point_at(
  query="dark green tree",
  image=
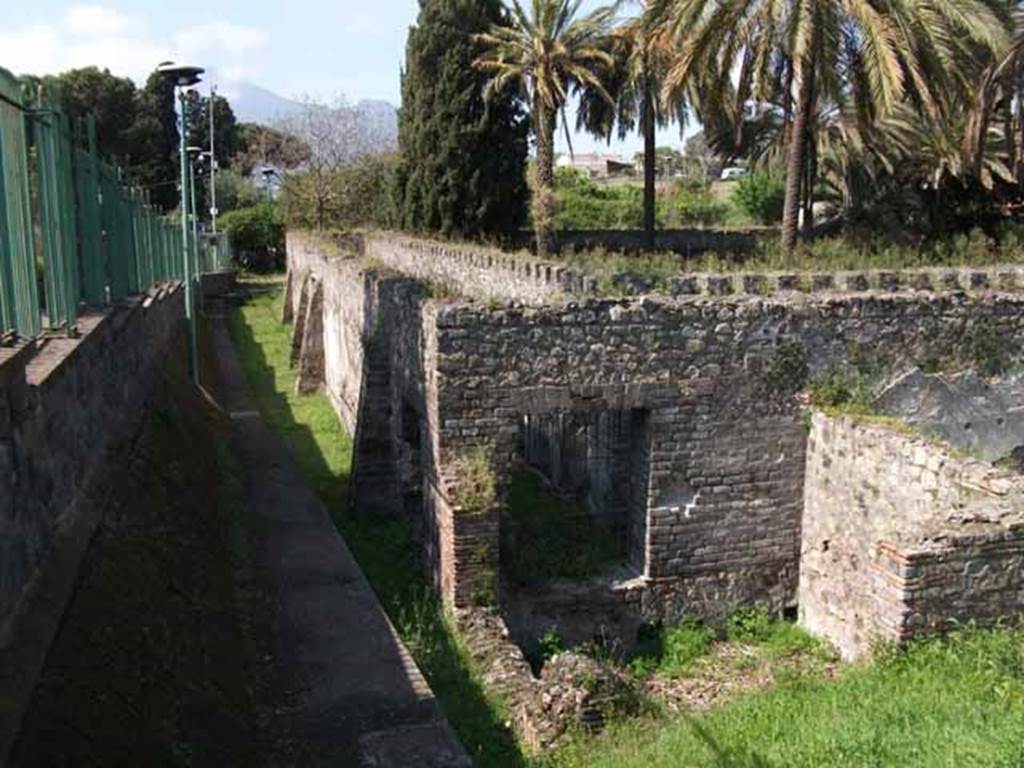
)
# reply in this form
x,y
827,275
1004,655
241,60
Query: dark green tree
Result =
x,y
225,140
463,159
154,137
111,100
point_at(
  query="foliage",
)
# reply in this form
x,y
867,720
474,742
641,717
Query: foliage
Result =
x,y
475,486
135,127
114,104
787,369
154,135
582,204
236,191
225,140
340,145
462,161
699,209
942,702
854,251
383,546
257,236
260,145
860,58
761,195
756,625
548,536
541,54
355,193
672,650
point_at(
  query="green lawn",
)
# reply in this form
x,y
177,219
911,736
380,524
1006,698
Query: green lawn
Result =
x,y
957,703
383,547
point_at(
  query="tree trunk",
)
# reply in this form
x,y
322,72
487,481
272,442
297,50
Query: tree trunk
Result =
x,y
809,177
544,190
797,154
649,167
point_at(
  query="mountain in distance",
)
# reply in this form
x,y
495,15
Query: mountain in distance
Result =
x,y
252,103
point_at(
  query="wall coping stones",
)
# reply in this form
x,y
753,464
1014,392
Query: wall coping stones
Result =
x,y
532,281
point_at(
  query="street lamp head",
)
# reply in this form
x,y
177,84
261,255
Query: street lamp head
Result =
x,y
194,150
183,75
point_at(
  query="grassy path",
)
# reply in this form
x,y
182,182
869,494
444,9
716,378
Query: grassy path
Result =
x,y
383,547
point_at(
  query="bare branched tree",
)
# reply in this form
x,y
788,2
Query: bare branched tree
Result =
x,y
335,135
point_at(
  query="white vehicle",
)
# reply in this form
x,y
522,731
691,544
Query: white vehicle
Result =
x,y
732,173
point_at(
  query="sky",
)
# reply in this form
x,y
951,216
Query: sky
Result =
x,y
321,48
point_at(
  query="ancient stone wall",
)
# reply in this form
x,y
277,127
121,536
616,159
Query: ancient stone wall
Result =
x,y
716,380
379,369
707,380
61,407
900,536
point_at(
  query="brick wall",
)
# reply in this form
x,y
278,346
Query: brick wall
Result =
x,y
61,407
902,537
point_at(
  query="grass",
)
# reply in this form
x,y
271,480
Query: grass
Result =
x,y
475,486
546,536
383,546
826,254
955,702
688,648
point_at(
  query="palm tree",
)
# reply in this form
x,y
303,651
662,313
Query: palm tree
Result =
x,y
873,53
547,53
634,81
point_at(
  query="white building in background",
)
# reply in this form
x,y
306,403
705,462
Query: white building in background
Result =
x,y
597,166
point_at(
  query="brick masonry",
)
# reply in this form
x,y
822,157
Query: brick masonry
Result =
x,y
902,537
710,374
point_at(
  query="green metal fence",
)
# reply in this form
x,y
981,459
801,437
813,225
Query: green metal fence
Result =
x,y
73,231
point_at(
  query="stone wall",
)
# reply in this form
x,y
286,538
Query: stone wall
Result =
x,y
902,537
60,407
708,380
378,356
714,378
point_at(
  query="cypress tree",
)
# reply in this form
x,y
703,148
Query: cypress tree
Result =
x,y
463,160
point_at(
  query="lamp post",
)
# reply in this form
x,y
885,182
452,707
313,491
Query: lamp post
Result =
x,y
194,153
183,76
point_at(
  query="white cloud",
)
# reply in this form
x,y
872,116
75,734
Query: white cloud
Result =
x,y
96,34
93,21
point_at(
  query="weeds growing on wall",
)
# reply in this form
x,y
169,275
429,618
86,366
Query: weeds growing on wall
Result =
x,y
475,488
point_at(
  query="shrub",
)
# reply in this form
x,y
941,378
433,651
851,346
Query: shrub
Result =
x,y
762,196
475,487
582,204
787,371
700,208
257,237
